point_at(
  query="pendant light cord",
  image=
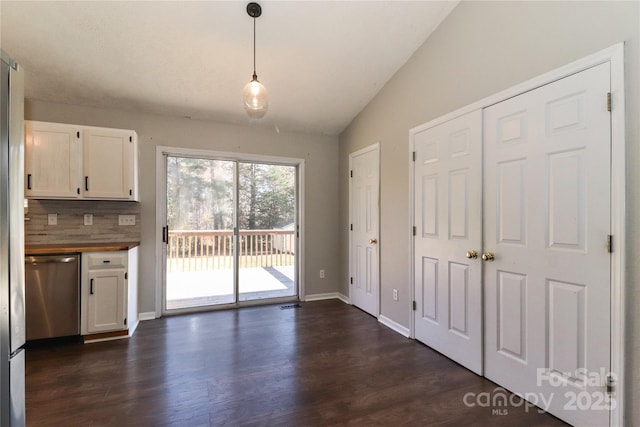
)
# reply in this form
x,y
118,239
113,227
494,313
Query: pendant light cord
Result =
x,y
255,77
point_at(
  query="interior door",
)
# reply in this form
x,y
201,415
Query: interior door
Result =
x,y
364,201
546,223
448,287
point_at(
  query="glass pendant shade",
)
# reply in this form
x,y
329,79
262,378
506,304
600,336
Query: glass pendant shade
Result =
x,y
255,98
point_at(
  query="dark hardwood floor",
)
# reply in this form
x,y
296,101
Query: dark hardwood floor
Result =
x,y
325,363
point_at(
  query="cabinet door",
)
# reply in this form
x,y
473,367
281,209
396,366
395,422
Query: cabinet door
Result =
x,y
105,308
52,160
108,156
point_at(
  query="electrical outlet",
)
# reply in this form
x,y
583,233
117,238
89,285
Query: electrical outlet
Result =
x,y
88,219
322,274
395,295
52,219
126,220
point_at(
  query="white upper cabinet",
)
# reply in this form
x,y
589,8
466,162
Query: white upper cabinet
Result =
x,y
108,163
80,162
52,160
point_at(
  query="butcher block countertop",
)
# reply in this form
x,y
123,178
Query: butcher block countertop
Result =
x,y
78,247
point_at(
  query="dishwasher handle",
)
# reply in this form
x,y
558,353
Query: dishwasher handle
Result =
x,y
33,260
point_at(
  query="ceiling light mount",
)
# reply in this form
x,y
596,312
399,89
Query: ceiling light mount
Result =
x,y
254,93
254,10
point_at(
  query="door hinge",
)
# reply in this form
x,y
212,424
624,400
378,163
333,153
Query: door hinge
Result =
x,y
351,280
609,101
414,306
611,384
351,174
414,230
414,156
126,276
609,243
351,227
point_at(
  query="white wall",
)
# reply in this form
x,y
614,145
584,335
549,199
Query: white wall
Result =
x,y
480,49
321,182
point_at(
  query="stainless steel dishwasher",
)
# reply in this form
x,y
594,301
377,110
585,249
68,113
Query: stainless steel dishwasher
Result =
x,y
52,296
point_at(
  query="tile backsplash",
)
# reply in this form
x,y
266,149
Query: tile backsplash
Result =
x,y
70,226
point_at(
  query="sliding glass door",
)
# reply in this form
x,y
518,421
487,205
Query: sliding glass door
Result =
x,y
267,220
200,246
231,233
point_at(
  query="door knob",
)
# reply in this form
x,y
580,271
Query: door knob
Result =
x,y
488,256
472,254
373,241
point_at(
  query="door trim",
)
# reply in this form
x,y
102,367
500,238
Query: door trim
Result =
x,y
614,55
373,147
160,220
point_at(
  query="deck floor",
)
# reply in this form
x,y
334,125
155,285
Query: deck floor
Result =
x,y
212,287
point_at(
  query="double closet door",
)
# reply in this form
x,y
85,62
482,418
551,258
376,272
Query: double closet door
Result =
x,y
512,268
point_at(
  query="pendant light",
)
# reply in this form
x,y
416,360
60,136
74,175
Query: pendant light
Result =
x,y
255,94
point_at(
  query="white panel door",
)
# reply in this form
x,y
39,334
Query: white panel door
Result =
x,y
108,163
364,194
546,221
52,160
448,239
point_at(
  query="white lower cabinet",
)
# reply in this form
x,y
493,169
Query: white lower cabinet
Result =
x,y
106,288
105,304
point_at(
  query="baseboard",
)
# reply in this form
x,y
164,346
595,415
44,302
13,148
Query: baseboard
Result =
x,y
343,298
133,327
149,315
402,330
318,297
105,336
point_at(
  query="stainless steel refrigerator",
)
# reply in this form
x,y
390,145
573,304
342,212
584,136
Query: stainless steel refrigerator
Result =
x,y
12,321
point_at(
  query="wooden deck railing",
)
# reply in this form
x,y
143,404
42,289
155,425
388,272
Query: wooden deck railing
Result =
x,y
193,250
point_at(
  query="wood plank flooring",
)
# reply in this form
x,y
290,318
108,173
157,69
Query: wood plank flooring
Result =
x,y
325,363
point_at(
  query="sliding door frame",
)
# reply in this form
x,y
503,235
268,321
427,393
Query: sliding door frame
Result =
x,y
161,212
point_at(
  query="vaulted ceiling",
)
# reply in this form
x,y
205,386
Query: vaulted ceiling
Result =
x,y
321,61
